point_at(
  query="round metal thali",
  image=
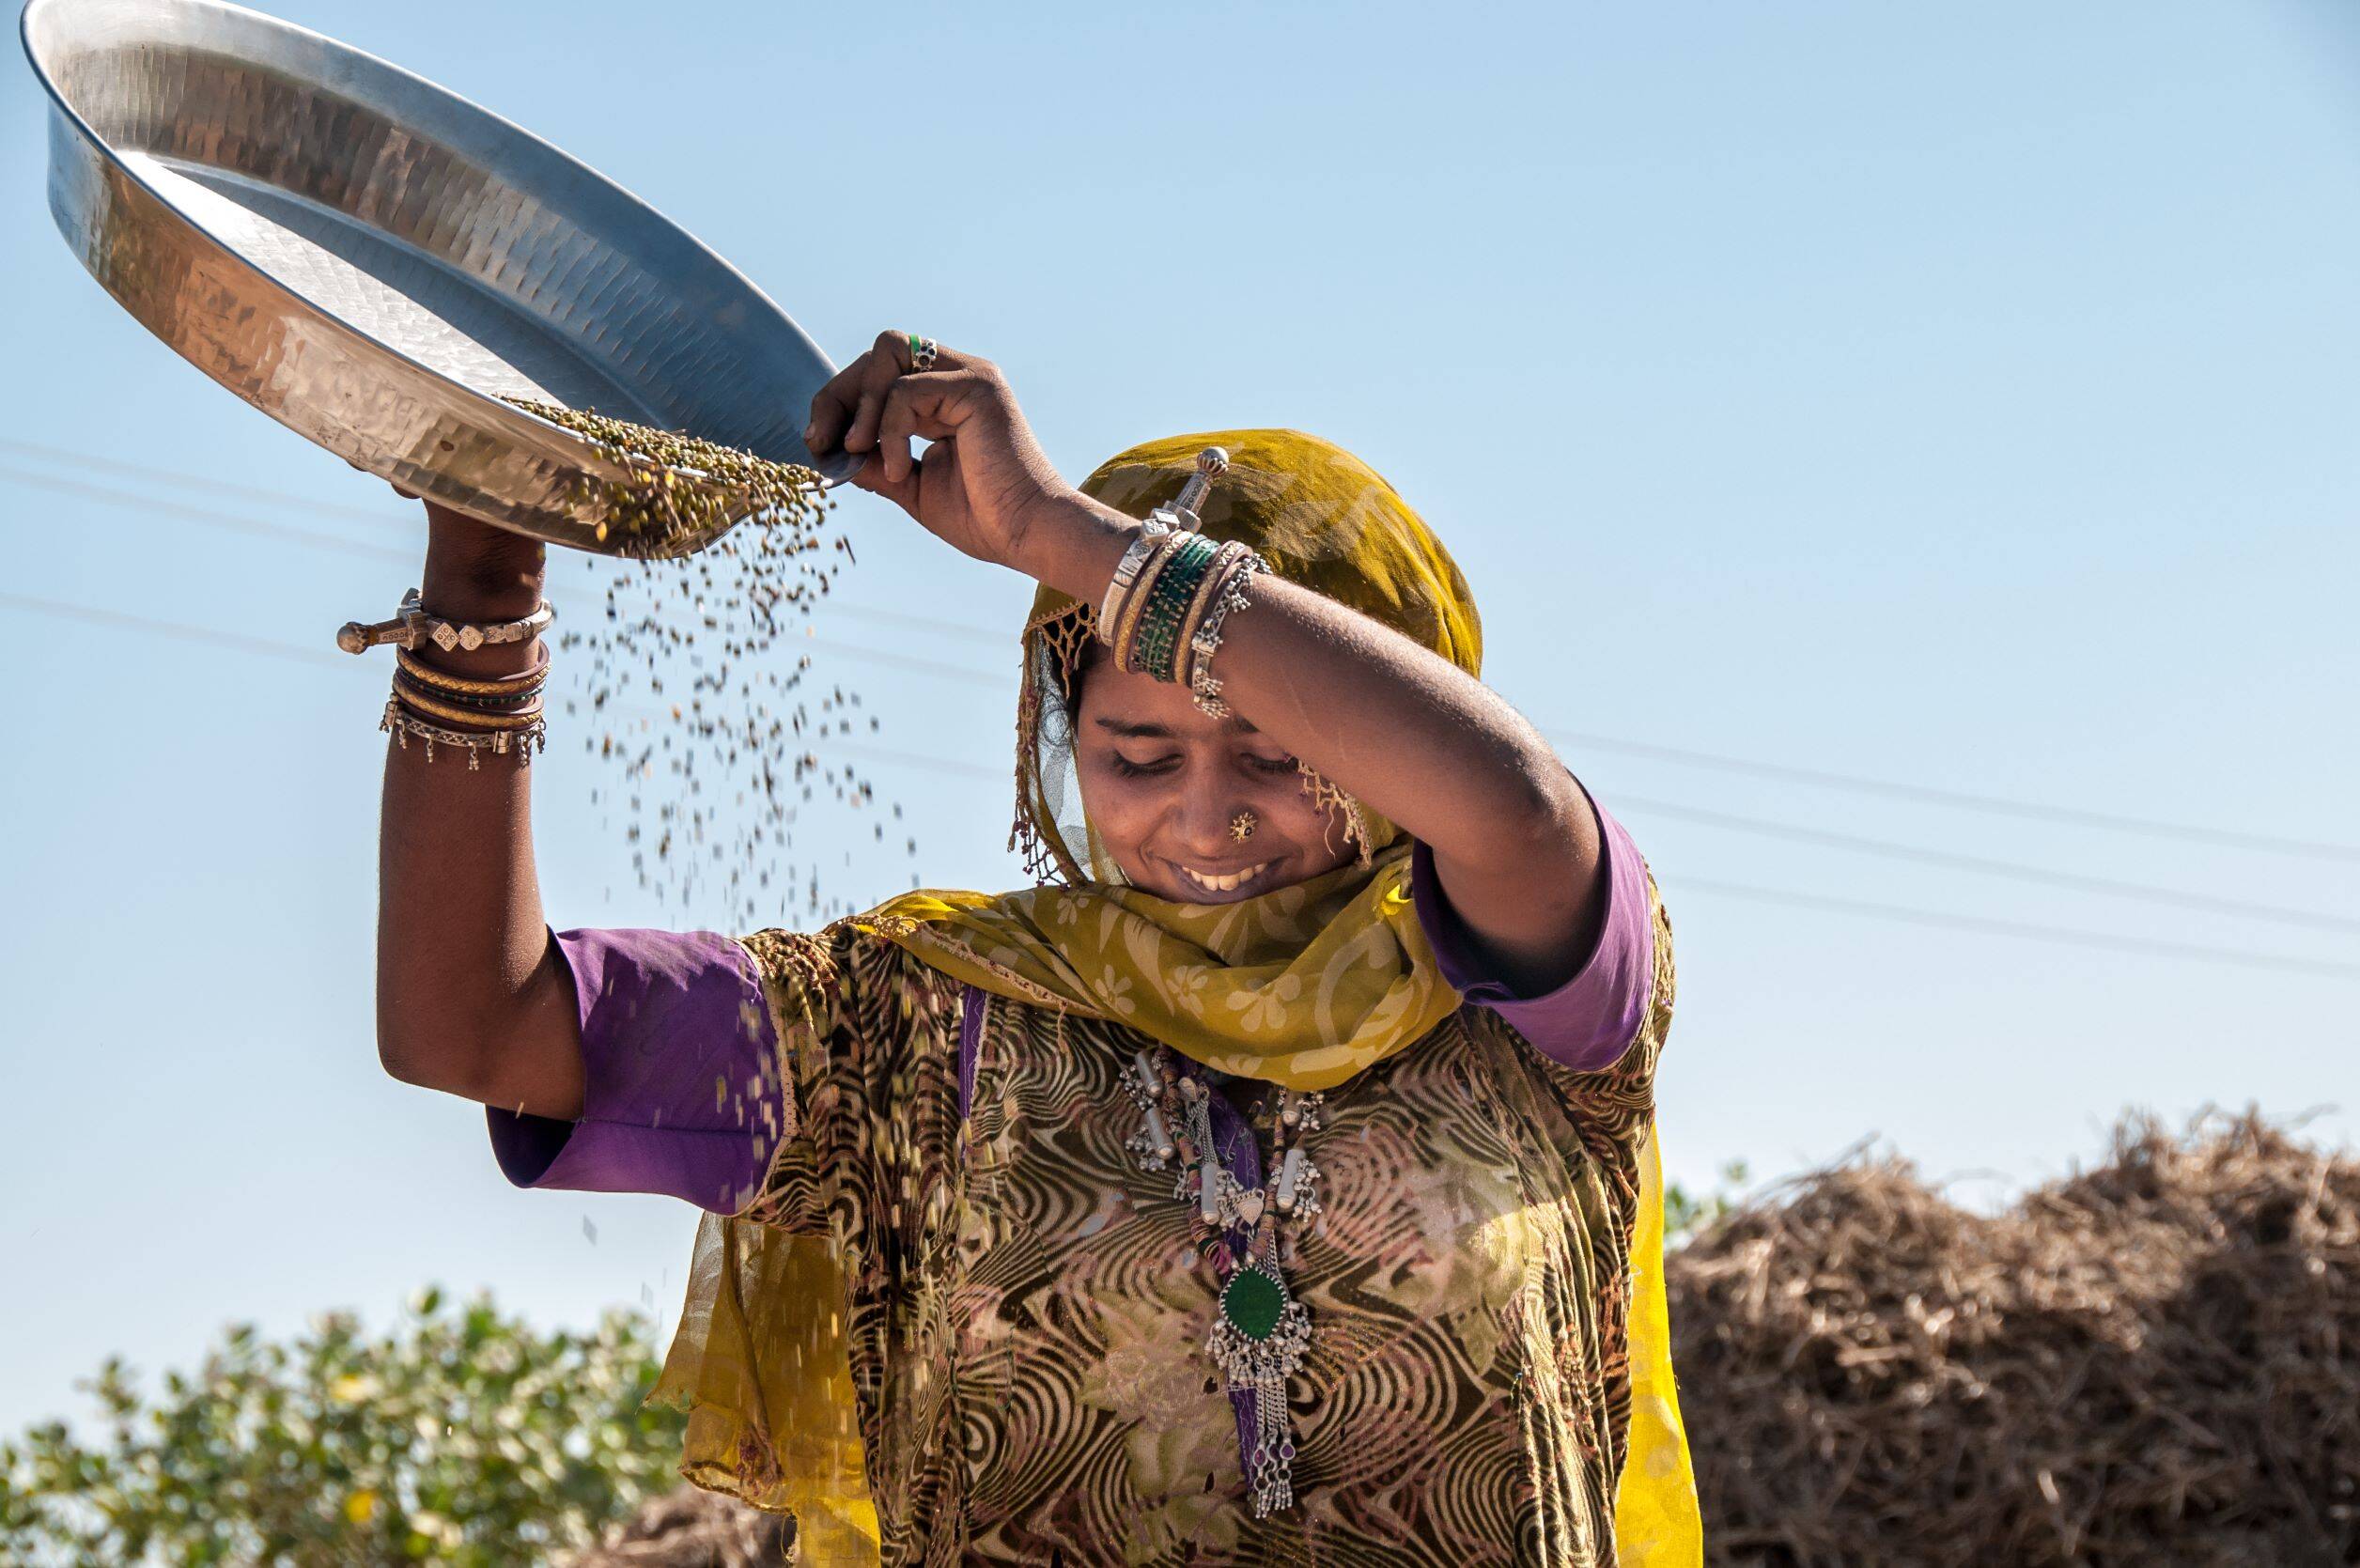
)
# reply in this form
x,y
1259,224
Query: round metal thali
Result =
x,y
376,262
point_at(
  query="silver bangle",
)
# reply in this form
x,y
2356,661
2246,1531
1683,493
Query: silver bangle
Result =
x,y
1160,523
403,723
1203,688
1178,517
411,625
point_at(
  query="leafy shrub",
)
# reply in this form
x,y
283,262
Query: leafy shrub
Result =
x,y
460,1437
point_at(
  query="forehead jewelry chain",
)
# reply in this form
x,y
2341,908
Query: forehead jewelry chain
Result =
x,y
1242,826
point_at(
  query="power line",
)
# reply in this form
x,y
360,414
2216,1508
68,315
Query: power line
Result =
x,y
119,620
206,515
1792,832
1967,801
920,666
1985,866
2068,934
135,501
1004,642
1682,756
196,481
1990,866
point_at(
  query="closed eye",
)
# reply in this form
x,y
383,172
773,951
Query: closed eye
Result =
x,y
1130,769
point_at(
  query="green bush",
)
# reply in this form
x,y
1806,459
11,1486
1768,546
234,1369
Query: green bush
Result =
x,y
460,1437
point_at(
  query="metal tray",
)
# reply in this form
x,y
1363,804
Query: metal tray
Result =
x,y
375,262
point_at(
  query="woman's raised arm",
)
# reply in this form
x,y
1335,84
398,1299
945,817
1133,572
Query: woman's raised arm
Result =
x,y
1515,841
1414,737
471,995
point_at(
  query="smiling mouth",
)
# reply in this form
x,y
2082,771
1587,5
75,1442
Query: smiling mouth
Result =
x,y
1225,882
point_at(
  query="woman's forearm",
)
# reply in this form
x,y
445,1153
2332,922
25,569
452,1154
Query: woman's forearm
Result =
x,y
471,997
1408,733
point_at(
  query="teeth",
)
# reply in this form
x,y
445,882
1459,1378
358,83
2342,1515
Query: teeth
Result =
x,y
1231,882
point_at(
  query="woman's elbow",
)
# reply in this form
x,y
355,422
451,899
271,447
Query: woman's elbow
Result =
x,y
1543,819
418,1062
429,1055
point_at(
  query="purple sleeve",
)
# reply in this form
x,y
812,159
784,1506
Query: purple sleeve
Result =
x,y
681,1093
1584,1023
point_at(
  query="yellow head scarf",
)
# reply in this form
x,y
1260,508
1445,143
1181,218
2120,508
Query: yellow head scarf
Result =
x,y
1307,985
1303,987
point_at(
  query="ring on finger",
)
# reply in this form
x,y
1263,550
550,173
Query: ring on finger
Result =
x,y
922,352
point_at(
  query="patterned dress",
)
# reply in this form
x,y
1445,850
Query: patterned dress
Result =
x,y
1030,1306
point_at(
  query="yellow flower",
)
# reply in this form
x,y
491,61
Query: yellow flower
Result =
x,y
1186,984
361,1507
1266,1008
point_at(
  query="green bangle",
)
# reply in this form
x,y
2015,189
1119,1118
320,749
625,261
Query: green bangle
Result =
x,y
1157,639
1157,633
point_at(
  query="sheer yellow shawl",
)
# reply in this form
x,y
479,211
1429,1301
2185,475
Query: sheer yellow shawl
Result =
x,y
1303,987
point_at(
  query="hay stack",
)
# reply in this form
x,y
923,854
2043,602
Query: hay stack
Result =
x,y
2157,1361
688,1528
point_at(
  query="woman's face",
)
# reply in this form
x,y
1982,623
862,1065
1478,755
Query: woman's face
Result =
x,y
1166,788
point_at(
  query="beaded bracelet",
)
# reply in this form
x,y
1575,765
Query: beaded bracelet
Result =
x,y
1192,614
509,695
491,711
1155,637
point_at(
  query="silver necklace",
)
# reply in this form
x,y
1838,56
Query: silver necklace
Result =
x,y
1260,1333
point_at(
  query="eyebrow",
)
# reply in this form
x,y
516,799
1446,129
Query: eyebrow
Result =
x,y
1159,732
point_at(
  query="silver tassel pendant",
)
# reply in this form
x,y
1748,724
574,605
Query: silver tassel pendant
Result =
x,y
1259,1341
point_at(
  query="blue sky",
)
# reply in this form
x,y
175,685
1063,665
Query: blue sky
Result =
x,y
1957,397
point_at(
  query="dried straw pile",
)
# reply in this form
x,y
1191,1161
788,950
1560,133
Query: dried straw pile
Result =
x,y
688,1528
2156,1361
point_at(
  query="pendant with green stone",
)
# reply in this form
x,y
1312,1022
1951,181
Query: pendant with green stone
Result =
x,y
1261,1333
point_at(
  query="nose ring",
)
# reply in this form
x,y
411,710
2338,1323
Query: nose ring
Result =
x,y
1242,826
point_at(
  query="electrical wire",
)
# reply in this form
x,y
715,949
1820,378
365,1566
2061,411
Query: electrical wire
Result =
x,y
233,521
1958,800
122,621
197,481
2231,838
1990,866
2067,934
1984,865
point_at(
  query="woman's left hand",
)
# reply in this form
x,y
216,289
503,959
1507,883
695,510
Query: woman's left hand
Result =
x,y
984,479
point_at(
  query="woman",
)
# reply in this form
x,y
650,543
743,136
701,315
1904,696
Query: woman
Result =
x,y
1263,1187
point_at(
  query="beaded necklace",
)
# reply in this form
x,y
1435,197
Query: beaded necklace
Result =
x,y
1261,1333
